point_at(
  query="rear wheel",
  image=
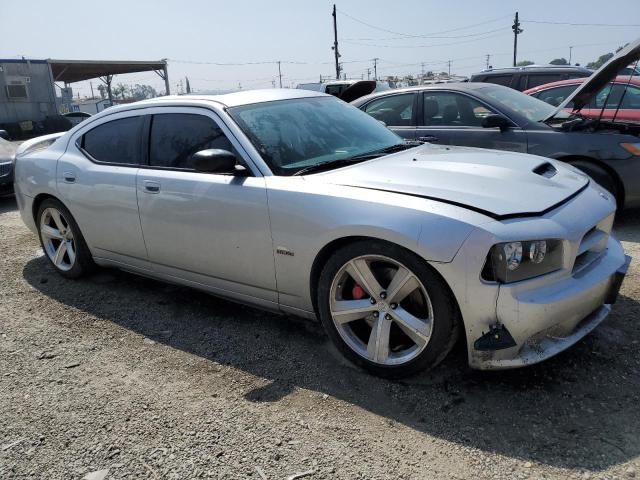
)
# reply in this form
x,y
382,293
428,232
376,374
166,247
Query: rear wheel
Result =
x,y
385,309
62,240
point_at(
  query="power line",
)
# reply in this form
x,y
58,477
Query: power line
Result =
x,y
431,36
424,46
583,24
427,35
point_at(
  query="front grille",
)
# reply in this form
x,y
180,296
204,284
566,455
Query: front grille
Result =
x,y
592,244
5,169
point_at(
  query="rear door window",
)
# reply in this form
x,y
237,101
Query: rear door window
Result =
x,y
175,137
118,141
611,96
537,79
499,79
394,110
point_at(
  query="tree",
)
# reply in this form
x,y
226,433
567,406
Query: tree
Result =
x,y
120,89
524,63
103,91
559,61
140,92
602,59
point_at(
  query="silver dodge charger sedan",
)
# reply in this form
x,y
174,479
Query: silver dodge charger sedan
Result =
x,y
294,201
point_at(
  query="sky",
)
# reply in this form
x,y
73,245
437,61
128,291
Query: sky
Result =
x,y
198,37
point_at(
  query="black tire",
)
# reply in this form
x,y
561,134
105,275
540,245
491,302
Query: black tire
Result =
x,y
83,263
445,312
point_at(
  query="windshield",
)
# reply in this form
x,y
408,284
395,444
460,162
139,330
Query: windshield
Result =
x,y
295,134
532,108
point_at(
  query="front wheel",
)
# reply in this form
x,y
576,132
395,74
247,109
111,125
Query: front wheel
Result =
x,y
62,240
386,309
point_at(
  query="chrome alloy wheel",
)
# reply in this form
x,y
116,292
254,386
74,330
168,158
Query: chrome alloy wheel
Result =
x,y
381,310
57,239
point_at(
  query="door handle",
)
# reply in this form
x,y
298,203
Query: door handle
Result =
x,y
428,138
151,187
69,177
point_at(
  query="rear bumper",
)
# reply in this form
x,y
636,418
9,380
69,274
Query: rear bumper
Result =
x,y
545,320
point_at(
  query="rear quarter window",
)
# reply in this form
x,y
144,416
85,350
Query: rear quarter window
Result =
x,y
117,141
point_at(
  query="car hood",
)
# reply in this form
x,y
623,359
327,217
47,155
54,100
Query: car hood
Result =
x,y
607,73
496,183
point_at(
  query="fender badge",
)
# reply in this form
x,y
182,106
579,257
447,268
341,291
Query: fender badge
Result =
x,y
284,251
606,197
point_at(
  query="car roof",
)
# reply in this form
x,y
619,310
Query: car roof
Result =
x,y
633,80
459,86
235,99
534,68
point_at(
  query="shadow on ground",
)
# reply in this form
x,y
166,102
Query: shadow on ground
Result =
x,y
585,401
627,225
8,204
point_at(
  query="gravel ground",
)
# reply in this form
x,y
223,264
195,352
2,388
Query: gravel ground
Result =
x,y
117,376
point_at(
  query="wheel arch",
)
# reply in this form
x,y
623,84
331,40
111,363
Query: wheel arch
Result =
x,y
575,160
37,201
326,251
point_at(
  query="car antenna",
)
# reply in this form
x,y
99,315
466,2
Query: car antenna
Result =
x,y
626,87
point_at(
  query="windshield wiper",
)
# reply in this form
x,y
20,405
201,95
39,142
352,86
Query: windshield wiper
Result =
x,y
339,162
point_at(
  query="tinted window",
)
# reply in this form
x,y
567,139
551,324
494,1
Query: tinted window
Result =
x,y
499,79
555,96
453,109
612,97
117,141
535,80
175,137
394,110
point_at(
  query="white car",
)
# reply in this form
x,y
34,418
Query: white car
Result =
x,y
296,202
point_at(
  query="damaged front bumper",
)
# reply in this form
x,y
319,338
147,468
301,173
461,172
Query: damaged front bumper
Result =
x,y
543,320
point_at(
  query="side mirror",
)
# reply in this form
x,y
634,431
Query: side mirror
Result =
x,y
215,160
4,134
496,121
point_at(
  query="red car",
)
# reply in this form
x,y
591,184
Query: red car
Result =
x,y
555,93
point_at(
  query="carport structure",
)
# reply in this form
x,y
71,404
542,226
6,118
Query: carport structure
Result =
x,y
70,71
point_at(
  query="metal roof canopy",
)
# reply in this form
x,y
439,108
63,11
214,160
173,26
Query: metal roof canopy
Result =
x,y
70,71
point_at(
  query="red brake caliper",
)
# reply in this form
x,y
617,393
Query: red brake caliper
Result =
x,y
358,292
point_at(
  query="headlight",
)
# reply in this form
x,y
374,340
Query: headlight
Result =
x,y
514,261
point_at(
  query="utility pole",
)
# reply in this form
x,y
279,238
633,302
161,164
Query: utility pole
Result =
x,y
516,31
422,76
570,52
368,73
91,85
335,42
449,67
375,68
488,60
280,73
273,83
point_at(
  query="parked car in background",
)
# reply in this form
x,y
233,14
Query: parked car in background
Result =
x,y
347,90
523,78
492,116
619,99
7,155
295,201
76,117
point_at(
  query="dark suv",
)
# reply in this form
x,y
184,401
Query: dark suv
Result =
x,y
524,78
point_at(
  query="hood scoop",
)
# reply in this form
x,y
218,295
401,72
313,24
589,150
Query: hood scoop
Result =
x,y
546,170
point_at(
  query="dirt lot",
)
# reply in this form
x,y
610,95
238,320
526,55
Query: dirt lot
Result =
x,y
153,381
